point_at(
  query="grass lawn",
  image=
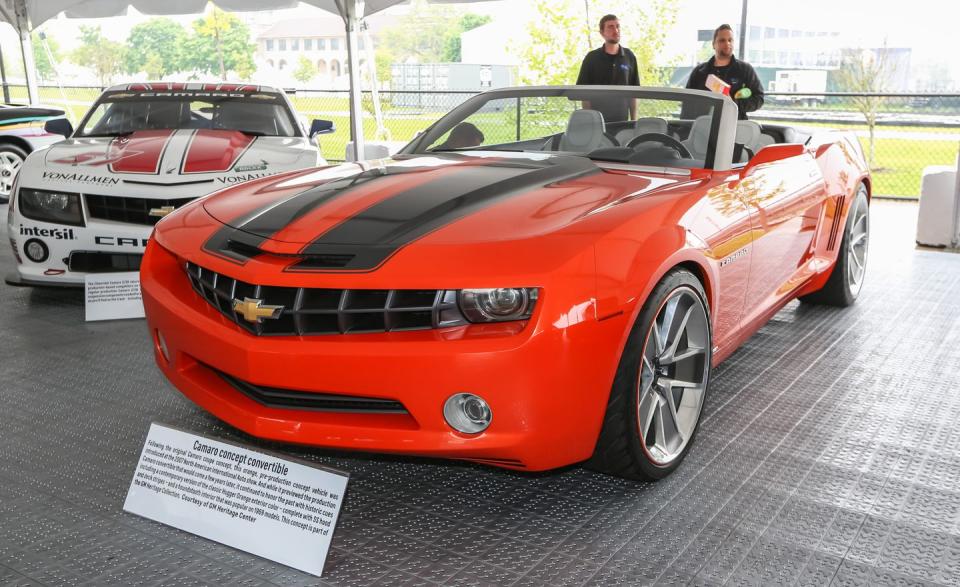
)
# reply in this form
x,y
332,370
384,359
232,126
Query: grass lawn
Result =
x,y
899,164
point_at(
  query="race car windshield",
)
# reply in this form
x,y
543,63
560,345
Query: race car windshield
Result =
x,y
664,128
125,112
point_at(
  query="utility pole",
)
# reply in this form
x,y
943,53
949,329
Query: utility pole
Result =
x,y
743,32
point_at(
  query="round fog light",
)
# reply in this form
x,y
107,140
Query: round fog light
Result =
x,y
36,251
467,413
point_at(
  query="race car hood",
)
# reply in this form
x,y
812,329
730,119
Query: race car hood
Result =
x,y
165,157
366,212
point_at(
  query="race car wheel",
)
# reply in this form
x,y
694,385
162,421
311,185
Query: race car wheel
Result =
x,y
657,396
846,280
11,158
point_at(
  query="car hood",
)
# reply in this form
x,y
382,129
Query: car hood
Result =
x,y
167,157
355,216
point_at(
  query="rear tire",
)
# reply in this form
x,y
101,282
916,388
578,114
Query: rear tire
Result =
x,y
658,393
846,279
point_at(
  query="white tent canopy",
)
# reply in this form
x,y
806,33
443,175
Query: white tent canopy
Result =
x,y
26,15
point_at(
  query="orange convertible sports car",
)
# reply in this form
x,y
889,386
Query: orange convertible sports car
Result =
x,y
526,284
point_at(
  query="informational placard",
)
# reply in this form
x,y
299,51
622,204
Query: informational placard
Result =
x,y
264,504
113,296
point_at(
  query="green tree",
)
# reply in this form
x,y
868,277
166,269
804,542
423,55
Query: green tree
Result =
x,y
469,21
564,30
219,43
422,34
305,70
866,73
155,47
103,56
41,42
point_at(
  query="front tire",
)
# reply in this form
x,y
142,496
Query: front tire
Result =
x,y
11,158
846,280
658,393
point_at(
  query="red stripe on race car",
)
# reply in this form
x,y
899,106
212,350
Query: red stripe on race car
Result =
x,y
210,151
139,153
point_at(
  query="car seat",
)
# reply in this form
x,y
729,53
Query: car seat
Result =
x,y
585,132
164,115
642,126
746,141
698,140
249,117
765,140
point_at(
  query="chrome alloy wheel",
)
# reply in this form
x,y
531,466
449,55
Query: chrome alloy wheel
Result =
x,y
857,250
673,376
9,165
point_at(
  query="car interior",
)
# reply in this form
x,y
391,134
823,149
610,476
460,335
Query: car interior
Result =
x,y
658,141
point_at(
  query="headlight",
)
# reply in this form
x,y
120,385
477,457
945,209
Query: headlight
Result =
x,y
500,304
57,207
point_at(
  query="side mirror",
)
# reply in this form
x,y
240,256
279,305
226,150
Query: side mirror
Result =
x,y
772,153
321,127
58,126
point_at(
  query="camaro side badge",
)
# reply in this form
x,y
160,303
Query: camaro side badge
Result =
x,y
254,311
741,253
160,212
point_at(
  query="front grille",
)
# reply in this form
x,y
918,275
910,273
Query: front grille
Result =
x,y
315,311
95,262
129,210
304,400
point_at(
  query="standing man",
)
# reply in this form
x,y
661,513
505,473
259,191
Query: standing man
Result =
x,y
610,65
745,87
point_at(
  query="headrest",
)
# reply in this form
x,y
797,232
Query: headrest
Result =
x,y
650,124
584,131
700,134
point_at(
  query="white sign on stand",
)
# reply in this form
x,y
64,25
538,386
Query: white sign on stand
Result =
x,y
113,296
263,504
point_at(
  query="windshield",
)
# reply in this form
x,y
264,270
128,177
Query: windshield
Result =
x,y
642,127
124,112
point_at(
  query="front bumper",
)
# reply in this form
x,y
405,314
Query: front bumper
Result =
x,y
547,385
75,251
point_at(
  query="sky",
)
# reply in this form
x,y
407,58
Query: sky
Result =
x,y
923,25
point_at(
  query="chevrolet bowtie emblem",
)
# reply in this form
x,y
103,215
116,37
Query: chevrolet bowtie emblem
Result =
x,y
160,212
254,311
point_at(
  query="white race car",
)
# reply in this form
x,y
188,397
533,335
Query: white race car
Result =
x,y
89,203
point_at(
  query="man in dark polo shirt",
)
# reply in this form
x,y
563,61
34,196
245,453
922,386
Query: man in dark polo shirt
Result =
x,y
610,65
745,87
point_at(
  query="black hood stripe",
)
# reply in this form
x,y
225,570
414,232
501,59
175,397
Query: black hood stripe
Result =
x,y
239,240
256,226
367,239
375,234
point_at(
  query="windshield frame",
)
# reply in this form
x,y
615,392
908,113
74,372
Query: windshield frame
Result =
x,y
718,157
190,96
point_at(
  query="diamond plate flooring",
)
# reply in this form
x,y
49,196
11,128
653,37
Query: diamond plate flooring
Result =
x,y
829,454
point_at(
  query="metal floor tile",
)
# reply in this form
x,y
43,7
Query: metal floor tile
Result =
x,y
829,454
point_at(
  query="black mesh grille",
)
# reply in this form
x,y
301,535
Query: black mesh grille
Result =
x,y
95,262
315,311
129,210
305,400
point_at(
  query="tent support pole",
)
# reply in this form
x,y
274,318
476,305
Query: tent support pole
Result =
x,y
26,47
351,17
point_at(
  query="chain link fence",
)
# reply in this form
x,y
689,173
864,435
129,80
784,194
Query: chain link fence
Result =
x,y
909,131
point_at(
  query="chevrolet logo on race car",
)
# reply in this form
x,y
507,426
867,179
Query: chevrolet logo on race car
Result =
x,y
254,311
160,212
